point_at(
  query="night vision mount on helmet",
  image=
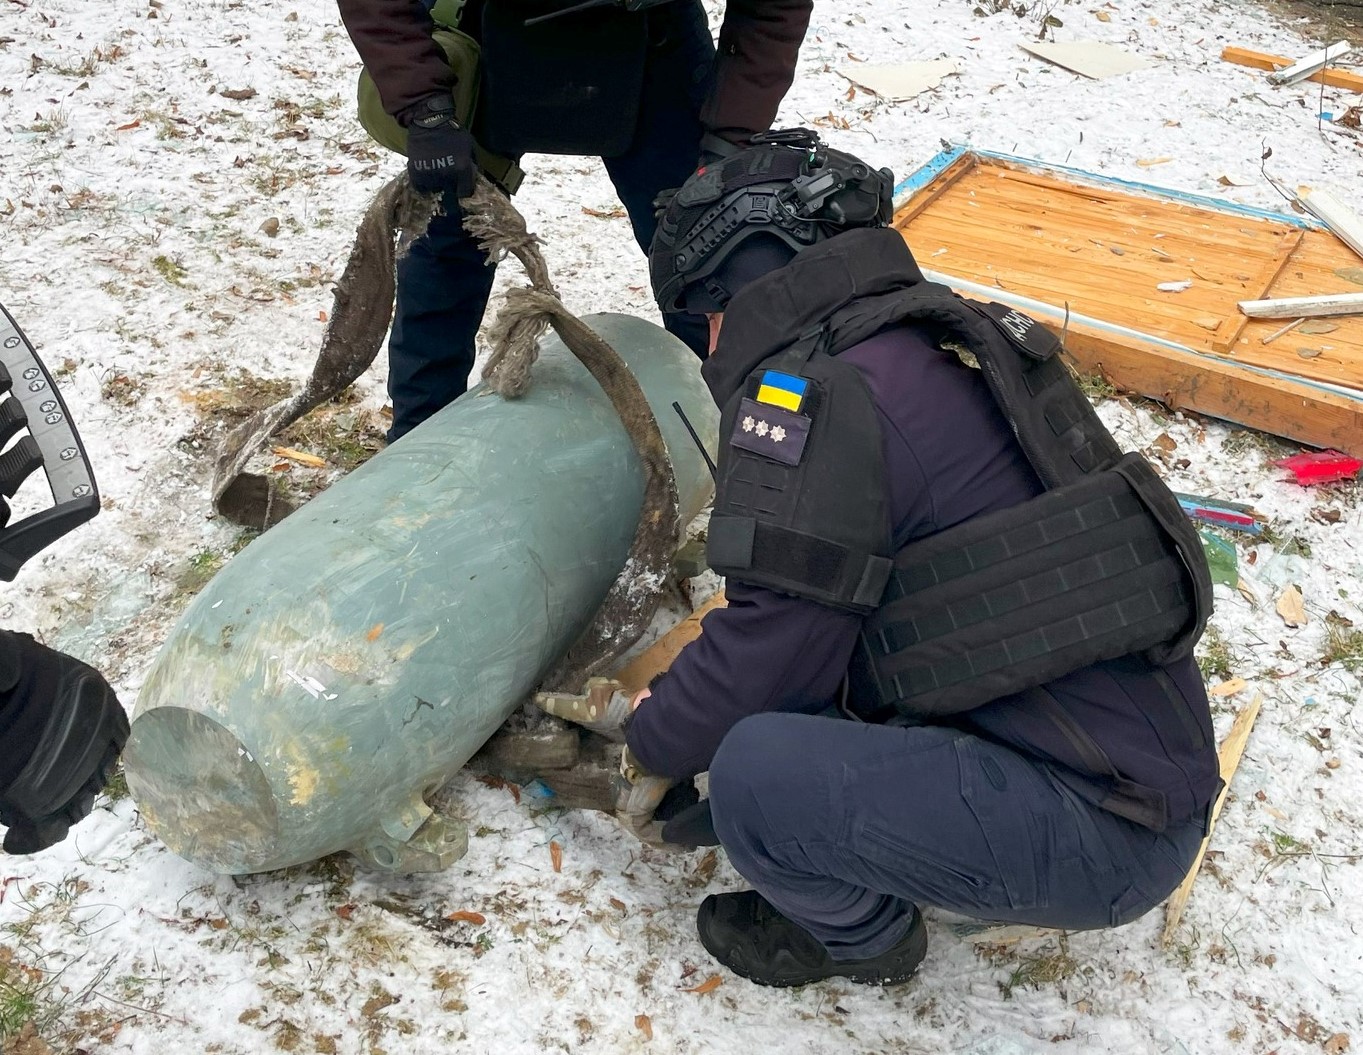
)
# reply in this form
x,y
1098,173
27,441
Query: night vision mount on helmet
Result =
x,y
789,186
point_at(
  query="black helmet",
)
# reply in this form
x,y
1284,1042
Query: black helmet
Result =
x,y
749,213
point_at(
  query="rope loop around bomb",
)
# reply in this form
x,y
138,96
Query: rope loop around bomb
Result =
x,y
523,318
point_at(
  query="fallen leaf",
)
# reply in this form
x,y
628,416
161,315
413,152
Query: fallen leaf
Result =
x,y
377,1003
374,632
1084,1007
269,227
1102,16
281,467
321,316
1337,1044
604,214
1228,688
1332,763
1308,353
218,923
708,986
1275,813
1231,181
705,868
494,781
464,915
1146,163
346,911
619,905
1316,327
1292,607
644,1025
130,124
238,95
556,856
1247,593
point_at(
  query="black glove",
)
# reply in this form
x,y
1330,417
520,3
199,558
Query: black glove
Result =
x,y
63,729
439,152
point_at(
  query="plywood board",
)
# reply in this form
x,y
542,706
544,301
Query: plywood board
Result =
x,y
1089,58
1101,250
902,81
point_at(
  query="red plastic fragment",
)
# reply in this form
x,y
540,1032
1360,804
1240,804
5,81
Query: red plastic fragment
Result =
x,y
1320,467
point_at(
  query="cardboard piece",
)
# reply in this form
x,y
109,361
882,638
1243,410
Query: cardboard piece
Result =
x,y
902,81
1089,58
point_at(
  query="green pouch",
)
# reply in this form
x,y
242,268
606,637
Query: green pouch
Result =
x,y
462,53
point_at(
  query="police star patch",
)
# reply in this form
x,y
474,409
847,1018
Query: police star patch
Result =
x,y
770,431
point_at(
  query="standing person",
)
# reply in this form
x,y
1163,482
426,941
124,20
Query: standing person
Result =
x,y
642,88
955,666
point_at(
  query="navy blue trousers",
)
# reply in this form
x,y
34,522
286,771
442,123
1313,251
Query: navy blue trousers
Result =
x,y
444,282
845,827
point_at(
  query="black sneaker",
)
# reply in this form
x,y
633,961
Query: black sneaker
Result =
x,y
751,938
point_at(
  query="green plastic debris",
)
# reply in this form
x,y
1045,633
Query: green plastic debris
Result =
x,y
1221,558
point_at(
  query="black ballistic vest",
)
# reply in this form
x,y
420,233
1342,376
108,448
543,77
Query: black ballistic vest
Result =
x,y
1103,564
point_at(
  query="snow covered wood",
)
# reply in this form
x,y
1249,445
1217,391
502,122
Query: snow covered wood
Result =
x,y
1337,216
1304,307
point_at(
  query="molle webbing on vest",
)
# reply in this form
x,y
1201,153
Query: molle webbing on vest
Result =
x,y
1008,600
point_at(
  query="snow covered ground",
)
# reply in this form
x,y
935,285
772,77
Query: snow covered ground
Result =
x,y
169,248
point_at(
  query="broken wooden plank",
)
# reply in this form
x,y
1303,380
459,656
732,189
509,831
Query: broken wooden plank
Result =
x,y
1262,60
301,457
1232,750
1343,222
1313,63
1304,307
659,656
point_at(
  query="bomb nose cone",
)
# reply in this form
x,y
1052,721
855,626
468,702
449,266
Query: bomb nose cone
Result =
x,y
201,791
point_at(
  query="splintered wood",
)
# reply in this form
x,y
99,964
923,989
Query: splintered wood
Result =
x,y
1151,285
1232,750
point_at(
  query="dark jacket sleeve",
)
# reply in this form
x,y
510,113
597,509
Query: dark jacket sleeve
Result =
x,y
765,652
394,40
759,47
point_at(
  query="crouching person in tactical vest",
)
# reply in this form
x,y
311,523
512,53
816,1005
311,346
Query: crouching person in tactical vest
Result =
x,y
954,669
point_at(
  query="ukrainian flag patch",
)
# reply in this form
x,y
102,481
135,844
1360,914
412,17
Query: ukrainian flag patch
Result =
x,y
782,390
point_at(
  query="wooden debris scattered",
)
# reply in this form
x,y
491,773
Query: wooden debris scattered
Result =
x,y
1260,60
1313,63
301,457
708,986
1334,214
659,656
1278,333
900,81
1088,58
1232,750
1227,688
1303,307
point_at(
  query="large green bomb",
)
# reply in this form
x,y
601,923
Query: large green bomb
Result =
x,y
356,655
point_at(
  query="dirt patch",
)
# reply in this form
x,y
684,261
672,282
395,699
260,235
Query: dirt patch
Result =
x,y
1323,20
